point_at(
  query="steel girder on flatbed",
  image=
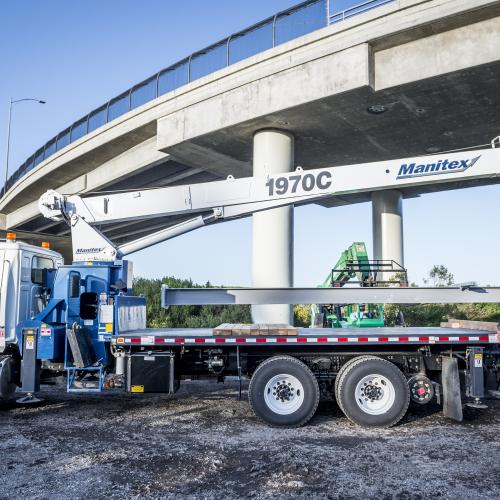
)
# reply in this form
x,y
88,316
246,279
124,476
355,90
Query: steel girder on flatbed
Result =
x,y
367,295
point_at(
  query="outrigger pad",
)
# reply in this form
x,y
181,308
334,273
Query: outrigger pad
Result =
x,y
452,399
82,349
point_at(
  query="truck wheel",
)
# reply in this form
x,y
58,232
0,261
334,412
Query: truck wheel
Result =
x,y
372,392
283,392
342,370
8,369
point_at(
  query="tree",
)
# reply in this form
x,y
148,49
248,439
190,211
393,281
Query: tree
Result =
x,y
302,315
440,276
185,316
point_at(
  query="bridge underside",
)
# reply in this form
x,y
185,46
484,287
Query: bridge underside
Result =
x,y
459,109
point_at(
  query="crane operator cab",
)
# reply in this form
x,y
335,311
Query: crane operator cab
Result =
x,y
88,304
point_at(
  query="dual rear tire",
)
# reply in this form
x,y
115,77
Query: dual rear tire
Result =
x,y
370,391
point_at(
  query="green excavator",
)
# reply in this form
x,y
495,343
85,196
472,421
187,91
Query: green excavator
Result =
x,y
354,263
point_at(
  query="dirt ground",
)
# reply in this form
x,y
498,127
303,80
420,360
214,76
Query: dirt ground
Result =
x,y
207,444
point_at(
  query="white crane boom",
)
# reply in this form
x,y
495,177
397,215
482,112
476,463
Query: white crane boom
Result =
x,y
233,198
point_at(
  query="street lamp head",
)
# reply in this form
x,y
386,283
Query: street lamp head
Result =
x,y
15,101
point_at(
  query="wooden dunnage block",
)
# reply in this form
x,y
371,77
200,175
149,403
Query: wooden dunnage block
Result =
x,y
241,330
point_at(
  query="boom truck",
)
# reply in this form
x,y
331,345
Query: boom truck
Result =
x,y
93,329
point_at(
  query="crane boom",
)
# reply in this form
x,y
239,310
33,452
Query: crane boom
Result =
x,y
233,198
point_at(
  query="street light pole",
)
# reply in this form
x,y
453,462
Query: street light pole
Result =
x,y
8,146
11,102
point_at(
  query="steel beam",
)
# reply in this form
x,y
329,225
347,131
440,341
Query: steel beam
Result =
x,y
258,296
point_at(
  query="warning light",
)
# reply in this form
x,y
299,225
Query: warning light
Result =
x,y
46,244
11,236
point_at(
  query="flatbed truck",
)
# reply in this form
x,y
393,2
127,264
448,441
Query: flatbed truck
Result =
x,y
93,329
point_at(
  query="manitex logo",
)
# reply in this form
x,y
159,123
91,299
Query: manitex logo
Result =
x,y
407,171
80,251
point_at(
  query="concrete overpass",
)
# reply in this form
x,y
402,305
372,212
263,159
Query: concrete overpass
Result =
x,y
405,78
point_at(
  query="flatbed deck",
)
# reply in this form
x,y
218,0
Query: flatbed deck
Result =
x,y
387,335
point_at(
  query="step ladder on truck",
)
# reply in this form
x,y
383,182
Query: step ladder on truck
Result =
x,y
93,328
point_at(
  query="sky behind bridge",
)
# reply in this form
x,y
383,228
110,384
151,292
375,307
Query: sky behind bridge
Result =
x,y
77,54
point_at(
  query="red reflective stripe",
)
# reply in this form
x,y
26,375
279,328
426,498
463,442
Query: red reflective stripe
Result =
x,y
282,340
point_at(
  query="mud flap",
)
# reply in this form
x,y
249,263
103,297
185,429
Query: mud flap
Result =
x,y
452,399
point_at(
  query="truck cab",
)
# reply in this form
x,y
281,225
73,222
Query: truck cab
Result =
x,y
22,292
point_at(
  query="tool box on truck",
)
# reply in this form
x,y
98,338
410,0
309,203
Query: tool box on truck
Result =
x,y
152,372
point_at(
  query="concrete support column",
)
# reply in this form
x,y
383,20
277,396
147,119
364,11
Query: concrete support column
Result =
x,y
272,257
387,213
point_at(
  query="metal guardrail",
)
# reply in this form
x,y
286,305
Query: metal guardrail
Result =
x,y
359,8
292,23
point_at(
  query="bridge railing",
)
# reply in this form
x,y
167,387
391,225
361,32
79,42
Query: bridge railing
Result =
x,y
287,25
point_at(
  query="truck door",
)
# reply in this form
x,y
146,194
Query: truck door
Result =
x,y
9,297
25,309
2,302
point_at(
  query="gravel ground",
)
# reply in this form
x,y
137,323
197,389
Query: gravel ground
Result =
x,y
207,444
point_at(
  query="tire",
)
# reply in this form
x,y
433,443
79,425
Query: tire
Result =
x,y
291,379
372,392
8,368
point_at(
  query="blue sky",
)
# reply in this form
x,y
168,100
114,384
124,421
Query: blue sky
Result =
x,y
77,54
